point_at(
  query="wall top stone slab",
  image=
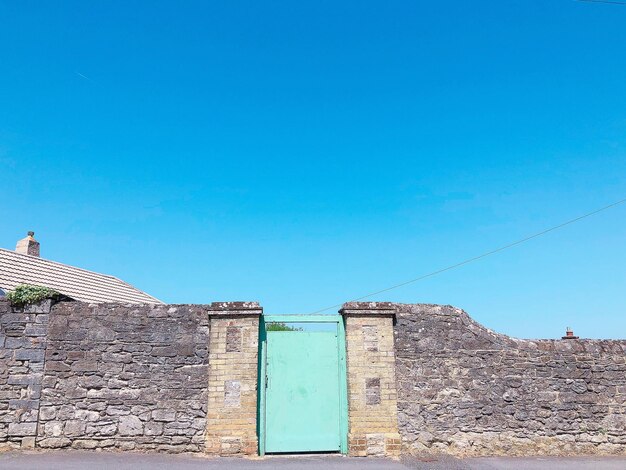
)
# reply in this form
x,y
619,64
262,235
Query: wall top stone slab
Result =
x,y
368,308
235,308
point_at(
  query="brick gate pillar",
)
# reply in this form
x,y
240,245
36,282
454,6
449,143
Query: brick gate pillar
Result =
x,y
372,395
233,371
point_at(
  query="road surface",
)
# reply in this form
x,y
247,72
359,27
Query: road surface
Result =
x,y
76,460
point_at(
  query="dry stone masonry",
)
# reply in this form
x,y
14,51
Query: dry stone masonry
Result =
x,y
183,378
125,377
22,349
465,390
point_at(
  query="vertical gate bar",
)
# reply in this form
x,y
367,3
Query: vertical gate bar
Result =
x,y
261,386
343,386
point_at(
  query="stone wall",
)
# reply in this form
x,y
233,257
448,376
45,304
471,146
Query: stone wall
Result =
x,y
125,377
183,378
22,348
173,378
465,390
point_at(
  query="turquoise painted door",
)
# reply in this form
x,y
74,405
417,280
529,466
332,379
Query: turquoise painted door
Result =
x,y
302,396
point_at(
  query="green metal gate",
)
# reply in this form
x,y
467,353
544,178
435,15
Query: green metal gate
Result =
x,y
303,398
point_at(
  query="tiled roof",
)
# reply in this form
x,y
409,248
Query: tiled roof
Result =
x,y
76,283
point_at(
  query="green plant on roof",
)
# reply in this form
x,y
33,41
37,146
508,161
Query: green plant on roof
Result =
x,y
26,294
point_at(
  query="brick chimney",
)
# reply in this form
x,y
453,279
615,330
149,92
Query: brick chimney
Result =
x,y
569,334
28,245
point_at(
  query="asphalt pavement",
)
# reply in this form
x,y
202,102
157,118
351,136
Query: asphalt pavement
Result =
x,y
77,460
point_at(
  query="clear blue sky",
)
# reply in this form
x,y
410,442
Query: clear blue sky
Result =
x,y
305,153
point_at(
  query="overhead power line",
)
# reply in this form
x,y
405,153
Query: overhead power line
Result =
x,y
484,255
612,2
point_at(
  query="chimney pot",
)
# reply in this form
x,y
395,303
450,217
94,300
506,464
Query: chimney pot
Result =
x,y
28,245
569,334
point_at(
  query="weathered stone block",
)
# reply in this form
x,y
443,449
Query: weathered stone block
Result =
x,y
372,391
87,415
74,428
370,338
24,404
47,413
153,429
233,338
232,393
39,307
24,379
22,429
164,415
130,426
164,351
54,442
84,366
28,443
85,444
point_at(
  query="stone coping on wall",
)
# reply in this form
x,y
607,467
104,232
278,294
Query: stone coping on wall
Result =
x,y
368,308
234,308
213,308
